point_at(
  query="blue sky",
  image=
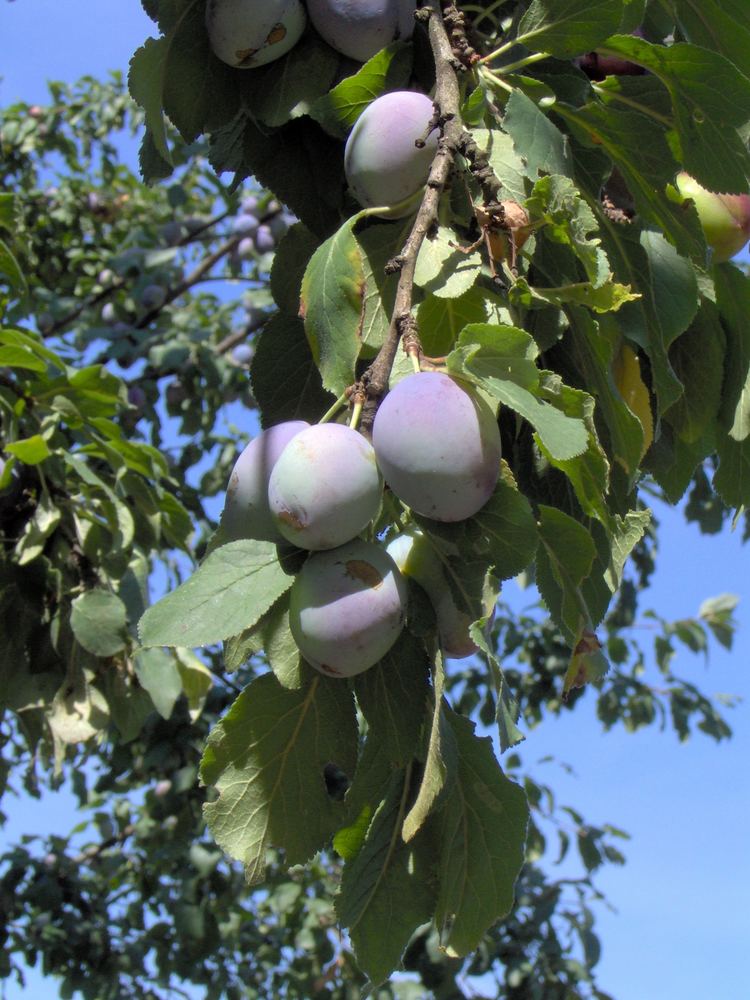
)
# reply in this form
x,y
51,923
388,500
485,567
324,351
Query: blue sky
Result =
x,y
681,929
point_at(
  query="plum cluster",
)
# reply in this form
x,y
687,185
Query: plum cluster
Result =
x,y
250,33
436,444
390,149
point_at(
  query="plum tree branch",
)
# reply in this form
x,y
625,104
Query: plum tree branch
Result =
x,y
448,118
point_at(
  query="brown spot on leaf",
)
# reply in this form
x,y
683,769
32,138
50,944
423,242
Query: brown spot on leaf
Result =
x,y
358,569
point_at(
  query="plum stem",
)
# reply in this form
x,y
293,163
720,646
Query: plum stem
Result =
x,y
447,102
331,413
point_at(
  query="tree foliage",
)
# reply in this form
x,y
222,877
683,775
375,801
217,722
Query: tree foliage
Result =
x,y
613,350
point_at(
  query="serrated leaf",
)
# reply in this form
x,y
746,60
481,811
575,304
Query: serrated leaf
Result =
x,y
567,28
564,560
266,758
668,304
508,524
508,708
483,836
158,673
146,85
441,320
442,268
378,244
710,98
541,143
393,697
388,884
439,770
721,25
506,163
228,593
638,146
290,87
99,622
388,70
697,358
332,306
557,205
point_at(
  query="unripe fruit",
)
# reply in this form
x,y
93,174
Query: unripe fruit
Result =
x,y
382,163
250,33
438,446
347,608
246,513
325,487
725,218
109,313
360,28
416,558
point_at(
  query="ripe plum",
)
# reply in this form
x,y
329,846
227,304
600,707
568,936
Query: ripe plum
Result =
x,y
360,28
250,33
383,164
438,446
246,513
725,218
325,487
347,608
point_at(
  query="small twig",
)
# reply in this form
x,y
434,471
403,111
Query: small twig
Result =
x,y
447,103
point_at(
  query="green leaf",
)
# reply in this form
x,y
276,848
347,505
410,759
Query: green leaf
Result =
x,y
733,301
289,262
497,350
266,758
506,163
291,86
158,673
483,836
31,451
439,769
228,593
378,244
389,884
638,146
10,270
441,320
566,28
332,305
508,524
393,697
564,560
697,358
146,85
541,143
388,70
20,357
442,268
566,218
710,98
721,25
285,380
508,708
99,622
668,305
38,529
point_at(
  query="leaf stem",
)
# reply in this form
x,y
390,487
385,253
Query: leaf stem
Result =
x,y
529,60
330,414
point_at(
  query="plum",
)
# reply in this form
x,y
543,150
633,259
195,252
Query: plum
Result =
x,y
153,297
246,248
245,224
438,445
725,218
246,513
250,33
416,558
383,164
264,239
242,354
360,28
347,608
325,487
